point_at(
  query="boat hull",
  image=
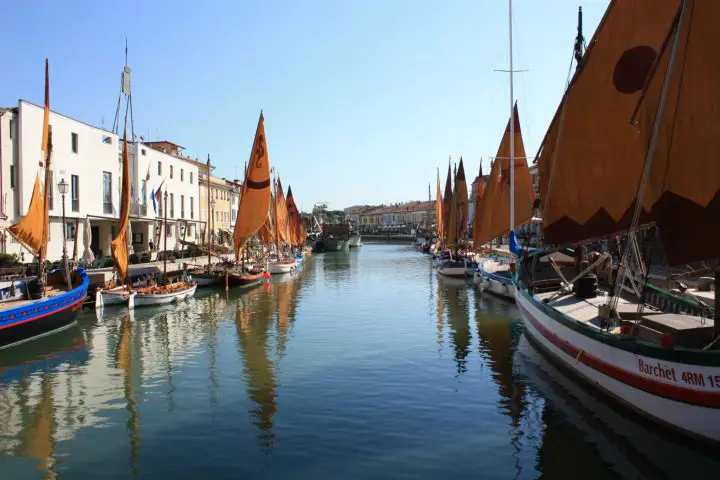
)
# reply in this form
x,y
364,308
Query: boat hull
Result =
x,y
245,280
275,268
120,296
43,316
495,278
355,241
684,396
205,280
452,269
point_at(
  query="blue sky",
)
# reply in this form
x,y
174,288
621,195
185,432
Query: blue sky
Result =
x,y
362,99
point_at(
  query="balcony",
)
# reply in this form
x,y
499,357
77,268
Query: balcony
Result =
x,y
138,210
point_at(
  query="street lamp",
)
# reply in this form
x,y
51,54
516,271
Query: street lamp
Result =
x,y
62,188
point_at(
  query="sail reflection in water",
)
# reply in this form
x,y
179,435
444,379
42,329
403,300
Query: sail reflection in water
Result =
x,y
454,293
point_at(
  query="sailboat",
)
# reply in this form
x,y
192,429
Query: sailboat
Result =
x,y
493,211
207,276
281,264
297,227
254,208
50,301
450,264
663,169
142,295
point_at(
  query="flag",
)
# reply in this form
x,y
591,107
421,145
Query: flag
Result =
x,y
152,197
147,175
157,196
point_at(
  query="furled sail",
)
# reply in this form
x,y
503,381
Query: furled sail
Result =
x,y
439,210
119,245
494,206
591,159
479,194
283,226
683,190
462,199
447,201
255,199
32,229
294,220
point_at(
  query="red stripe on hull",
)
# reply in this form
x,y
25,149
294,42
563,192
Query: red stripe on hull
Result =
x,y
705,399
53,312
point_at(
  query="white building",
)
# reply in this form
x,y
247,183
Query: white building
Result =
x,y
89,159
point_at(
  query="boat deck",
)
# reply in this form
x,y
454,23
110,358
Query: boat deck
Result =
x,y
586,309
49,293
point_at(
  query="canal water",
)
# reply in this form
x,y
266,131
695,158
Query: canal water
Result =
x,y
361,365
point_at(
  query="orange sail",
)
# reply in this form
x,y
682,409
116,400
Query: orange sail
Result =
x,y
447,200
479,194
32,229
267,231
462,199
119,244
495,204
283,227
591,159
294,220
255,199
439,210
683,190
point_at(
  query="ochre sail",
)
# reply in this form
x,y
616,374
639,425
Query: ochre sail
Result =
x,y
267,231
453,216
479,194
294,220
684,186
462,199
119,244
32,229
439,210
447,200
283,227
494,207
591,159
255,199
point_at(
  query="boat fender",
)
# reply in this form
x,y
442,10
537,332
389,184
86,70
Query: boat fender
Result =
x,y
266,275
131,300
99,299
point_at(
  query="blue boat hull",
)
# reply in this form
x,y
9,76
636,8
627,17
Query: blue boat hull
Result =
x,y
43,316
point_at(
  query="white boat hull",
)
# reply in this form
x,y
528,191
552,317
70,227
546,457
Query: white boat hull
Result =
x,y
487,276
355,241
275,268
683,396
455,272
120,296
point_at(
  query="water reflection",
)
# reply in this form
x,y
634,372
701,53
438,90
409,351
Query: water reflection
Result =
x,y
454,293
124,362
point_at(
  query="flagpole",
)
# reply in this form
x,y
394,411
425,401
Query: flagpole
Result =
x,y
165,241
207,223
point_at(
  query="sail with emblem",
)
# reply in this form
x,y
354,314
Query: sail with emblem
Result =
x,y
255,199
119,245
494,206
591,159
683,188
32,229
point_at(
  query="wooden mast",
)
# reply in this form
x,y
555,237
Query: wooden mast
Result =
x,y
207,217
46,226
165,238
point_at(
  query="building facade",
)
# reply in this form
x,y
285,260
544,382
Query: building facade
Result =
x,y
223,194
89,160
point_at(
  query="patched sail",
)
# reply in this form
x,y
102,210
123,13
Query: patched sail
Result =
x,y
255,199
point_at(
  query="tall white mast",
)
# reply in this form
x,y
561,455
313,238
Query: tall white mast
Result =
x,y
512,126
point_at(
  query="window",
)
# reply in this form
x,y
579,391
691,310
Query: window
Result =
x,y
182,175
182,204
138,238
74,142
107,193
70,230
12,128
171,172
75,192
144,192
12,176
172,203
159,168
143,152
168,230
192,207
191,180
51,189
107,139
